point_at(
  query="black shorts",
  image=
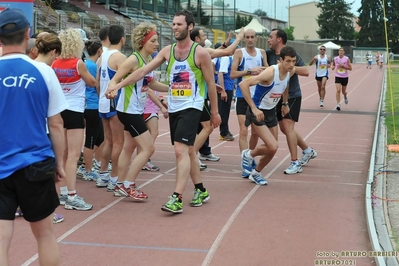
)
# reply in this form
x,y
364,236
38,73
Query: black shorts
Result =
x,y
206,112
94,129
73,120
342,81
37,200
295,109
184,125
270,119
241,106
321,78
133,123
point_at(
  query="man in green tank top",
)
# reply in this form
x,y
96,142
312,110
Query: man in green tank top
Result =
x,y
189,68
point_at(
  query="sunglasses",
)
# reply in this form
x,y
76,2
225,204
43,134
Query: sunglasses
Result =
x,y
322,49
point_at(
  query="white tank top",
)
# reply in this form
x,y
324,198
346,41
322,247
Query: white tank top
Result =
x,y
106,74
249,61
266,97
321,66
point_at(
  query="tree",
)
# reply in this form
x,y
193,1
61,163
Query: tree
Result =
x,y
371,22
392,15
260,13
204,20
290,33
242,21
335,20
218,3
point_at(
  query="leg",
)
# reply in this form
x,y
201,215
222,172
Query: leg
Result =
x,y
243,134
338,92
117,143
183,166
287,127
323,88
49,252
107,148
319,89
6,232
266,150
74,139
125,157
203,135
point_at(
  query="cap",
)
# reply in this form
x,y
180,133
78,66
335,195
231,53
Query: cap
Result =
x,y
83,34
217,45
208,43
12,16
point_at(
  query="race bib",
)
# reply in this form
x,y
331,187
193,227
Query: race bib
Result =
x,y
322,67
181,90
341,70
272,100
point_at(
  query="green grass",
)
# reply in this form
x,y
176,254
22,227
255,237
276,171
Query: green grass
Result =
x,y
392,121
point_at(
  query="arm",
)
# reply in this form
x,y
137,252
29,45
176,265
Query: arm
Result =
x,y
158,86
264,57
300,68
223,94
328,62
265,77
130,65
333,65
205,64
314,59
229,49
156,100
235,73
140,73
85,74
57,138
349,67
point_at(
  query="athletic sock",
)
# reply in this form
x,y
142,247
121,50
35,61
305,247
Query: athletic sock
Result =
x,y
200,186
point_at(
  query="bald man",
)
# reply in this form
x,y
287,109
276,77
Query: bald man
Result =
x,y
248,61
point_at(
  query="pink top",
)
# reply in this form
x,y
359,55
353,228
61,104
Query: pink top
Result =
x,y
341,72
150,106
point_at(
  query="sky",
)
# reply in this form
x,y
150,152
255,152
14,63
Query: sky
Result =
x,y
281,6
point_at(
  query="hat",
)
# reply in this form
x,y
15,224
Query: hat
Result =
x,y
83,34
12,16
217,45
208,43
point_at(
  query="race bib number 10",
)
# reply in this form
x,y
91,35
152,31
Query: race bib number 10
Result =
x,y
181,90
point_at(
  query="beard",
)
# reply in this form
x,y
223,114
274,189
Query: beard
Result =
x,y
183,35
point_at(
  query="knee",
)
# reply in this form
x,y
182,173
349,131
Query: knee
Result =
x,y
243,132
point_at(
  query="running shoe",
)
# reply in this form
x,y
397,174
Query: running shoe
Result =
x,y
173,205
247,162
77,203
103,180
57,218
244,174
307,156
346,100
210,157
92,176
111,186
257,178
228,137
202,165
18,212
117,192
63,199
132,192
295,167
338,107
149,166
81,170
321,103
199,197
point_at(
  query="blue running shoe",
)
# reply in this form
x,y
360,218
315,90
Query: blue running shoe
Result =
x,y
254,164
244,175
257,178
246,163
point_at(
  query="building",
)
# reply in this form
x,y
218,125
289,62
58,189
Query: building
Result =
x,y
303,18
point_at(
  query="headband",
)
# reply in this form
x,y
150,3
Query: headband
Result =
x,y
148,36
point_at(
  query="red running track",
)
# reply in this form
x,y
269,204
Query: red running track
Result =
x,y
295,220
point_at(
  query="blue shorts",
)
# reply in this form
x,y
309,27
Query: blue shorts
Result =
x,y
107,115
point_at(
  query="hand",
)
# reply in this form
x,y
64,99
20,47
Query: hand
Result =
x,y
165,103
259,114
165,112
227,42
240,35
219,88
59,173
285,110
257,70
215,120
111,92
223,96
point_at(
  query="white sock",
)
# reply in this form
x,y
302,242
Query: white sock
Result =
x,y
127,184
113,179
64,190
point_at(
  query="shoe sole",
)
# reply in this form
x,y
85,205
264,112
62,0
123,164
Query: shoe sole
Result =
x,y
69,207
151,170
172,211
58,221
211,160
253,180
299,171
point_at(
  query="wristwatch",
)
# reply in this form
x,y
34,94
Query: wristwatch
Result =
x,y
249,72
285,103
